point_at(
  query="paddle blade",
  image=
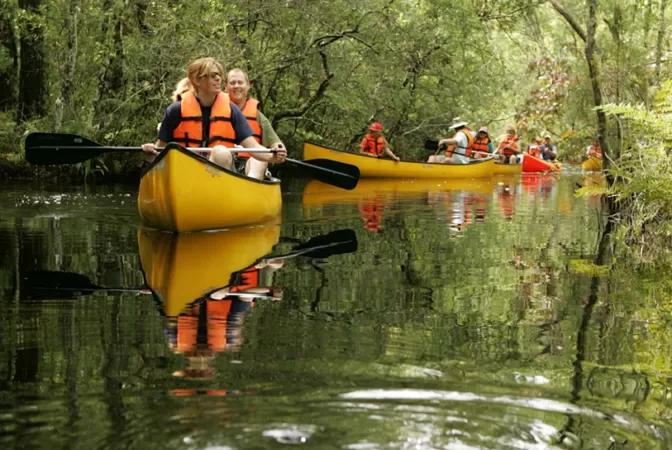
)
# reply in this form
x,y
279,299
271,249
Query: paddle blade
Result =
x,y
342,175
335,243
43,284
431,145
45,148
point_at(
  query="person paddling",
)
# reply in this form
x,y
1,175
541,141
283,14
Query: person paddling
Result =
x,y
534,147
204,116
482,147
548,150
237,85
458,148
508,148
594,150
374,143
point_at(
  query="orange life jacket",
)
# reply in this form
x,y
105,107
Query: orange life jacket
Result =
x,y
596,151
534,150
189,132
481,145
374,145
509,141
250,110
470,143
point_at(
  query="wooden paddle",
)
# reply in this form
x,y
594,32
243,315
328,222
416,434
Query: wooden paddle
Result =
x,y
49,284
62,148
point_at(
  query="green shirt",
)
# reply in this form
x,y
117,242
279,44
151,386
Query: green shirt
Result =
x,y
268,134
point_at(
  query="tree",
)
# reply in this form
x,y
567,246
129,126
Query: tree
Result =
x,y
32,81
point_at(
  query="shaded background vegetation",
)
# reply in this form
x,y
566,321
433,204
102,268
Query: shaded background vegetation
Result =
x,y
324,70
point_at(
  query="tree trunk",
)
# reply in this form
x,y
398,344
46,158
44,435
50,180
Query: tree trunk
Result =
x,y
111,84
32,87
595,75
69,70
8,77
588,36
661,39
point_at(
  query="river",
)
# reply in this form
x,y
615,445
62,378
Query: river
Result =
x,y
415,314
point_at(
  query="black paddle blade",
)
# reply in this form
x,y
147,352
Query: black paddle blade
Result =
x,y
45,148
58,285
335,243
342,175
431,145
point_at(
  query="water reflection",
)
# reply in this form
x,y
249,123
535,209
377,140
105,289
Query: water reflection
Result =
x,y
504,335
376,198
205,284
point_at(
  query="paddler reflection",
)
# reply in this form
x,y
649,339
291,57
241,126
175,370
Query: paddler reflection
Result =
x,y
207,282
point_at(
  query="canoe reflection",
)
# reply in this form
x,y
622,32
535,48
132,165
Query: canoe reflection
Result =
x,y
377,196
207,282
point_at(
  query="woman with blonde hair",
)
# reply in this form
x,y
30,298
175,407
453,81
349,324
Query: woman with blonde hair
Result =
x,y
203,116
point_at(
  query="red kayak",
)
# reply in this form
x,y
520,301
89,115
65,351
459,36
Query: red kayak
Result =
x,y
534,164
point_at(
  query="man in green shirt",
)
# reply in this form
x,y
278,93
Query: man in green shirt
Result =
x,y
237,85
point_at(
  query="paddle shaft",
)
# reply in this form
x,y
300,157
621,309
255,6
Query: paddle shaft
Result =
x,y
139,149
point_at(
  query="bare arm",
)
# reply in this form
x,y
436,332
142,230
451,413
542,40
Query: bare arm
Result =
x,y
388,151
278,156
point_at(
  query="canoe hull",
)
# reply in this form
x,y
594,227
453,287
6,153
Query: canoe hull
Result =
x,y
386,168
534,164
508,169
182,191
592,165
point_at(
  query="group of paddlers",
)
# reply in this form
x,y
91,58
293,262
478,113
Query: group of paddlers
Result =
x,y
466,145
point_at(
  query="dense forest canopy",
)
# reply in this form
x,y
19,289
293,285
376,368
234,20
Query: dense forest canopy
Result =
x,y
324,70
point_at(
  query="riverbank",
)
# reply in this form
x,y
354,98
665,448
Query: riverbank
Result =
x,y
14,168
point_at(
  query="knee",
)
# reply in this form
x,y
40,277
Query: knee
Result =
x,y
221,156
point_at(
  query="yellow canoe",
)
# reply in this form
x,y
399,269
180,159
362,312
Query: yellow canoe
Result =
x,y
592,164
181,268
182,191
386,168
508,169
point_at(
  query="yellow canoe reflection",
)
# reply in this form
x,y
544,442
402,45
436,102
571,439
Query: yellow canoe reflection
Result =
x,y
317,194
183,268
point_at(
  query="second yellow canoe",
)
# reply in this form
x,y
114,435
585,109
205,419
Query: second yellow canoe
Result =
x,y
592,164
386,168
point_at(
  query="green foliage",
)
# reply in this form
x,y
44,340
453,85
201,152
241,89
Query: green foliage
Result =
x,y
642,187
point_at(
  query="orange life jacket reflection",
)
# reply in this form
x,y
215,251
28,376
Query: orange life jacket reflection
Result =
x,y
216,312
462,151
250,110
372,212
189,132
375,145
246,279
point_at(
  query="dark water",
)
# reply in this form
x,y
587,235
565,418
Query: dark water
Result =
x,y
468,316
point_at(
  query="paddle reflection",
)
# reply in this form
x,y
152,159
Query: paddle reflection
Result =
x,y
206,283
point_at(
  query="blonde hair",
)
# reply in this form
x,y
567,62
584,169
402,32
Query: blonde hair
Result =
x,y
202,67
511,129
182,87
